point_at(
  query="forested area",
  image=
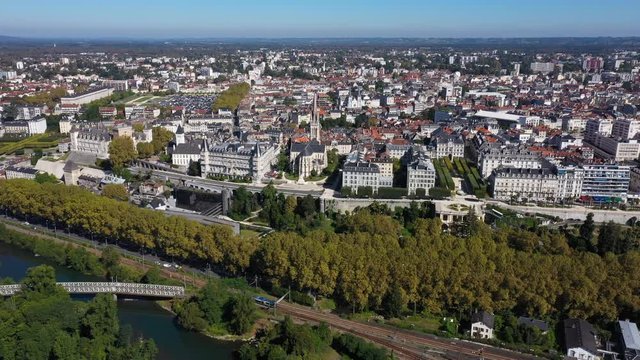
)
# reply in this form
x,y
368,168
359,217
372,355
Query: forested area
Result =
x,y
43,322
216,310
362,258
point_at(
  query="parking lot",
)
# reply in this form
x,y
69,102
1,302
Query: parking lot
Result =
x,y
191,103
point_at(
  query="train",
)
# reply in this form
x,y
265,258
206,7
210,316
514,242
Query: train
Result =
x,y
264,302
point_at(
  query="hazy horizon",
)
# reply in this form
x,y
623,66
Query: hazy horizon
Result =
x,y
329,19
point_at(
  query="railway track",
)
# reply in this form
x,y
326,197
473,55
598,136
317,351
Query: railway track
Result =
x,y
405,344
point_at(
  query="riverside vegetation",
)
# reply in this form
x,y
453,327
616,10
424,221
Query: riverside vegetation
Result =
x,y
390,261
43,322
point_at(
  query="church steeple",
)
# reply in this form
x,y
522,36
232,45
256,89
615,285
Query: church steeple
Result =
x,y
315,120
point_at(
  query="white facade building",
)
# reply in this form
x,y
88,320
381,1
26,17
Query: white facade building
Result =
x,y
93,140
87,97
421,174
361,174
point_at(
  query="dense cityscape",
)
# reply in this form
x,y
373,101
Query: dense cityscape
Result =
x,y
320,198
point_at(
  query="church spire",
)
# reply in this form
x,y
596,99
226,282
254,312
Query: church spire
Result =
x,y
315,120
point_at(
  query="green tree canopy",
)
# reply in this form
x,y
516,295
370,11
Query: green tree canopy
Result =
x,y
116,192
121,151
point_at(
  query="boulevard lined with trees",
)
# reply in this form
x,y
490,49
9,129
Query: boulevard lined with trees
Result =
x,y
376,257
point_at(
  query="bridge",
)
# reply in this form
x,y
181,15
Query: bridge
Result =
x,y
116,288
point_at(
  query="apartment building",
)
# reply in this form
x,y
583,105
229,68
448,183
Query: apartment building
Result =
x,y
239,160
606,183
421,174
361,174
493,157
509,183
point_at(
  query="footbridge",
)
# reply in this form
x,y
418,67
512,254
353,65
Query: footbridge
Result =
x,y
116,288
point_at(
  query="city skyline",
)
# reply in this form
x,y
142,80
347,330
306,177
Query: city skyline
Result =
x,y
299,19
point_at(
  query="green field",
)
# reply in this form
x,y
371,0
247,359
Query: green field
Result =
x,y
42,141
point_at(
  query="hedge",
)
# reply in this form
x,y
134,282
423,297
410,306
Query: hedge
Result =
x,y
459,166
390,193
439,193
474,171
448,164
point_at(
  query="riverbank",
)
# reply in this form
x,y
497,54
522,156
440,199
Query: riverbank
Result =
x,y
145,319
64,251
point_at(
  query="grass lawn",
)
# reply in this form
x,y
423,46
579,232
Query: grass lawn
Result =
x,y
293,177
422,323
316,178
130,99
326,304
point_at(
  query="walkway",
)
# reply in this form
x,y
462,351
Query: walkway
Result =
x,y
116,288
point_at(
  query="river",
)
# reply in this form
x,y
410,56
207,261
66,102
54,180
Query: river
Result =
x,y
145,317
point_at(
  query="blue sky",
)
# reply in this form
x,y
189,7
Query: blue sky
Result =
x,y
319,18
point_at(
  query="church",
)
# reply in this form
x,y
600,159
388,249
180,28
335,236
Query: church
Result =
x,y
307,157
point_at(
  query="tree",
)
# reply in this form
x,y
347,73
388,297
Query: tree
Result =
x,y
41,280
242,203
10,111
587,228
161,138
138,127
611,238
121,151
42,178
110,259
191,317
115,191
283,161
145,150
394,302
241,314
101,319
195,168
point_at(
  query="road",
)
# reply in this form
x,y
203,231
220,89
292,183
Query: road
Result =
x,y
404,344
572,213
217,186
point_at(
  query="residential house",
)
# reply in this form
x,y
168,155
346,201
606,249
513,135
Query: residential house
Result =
x,y
580,340
482,324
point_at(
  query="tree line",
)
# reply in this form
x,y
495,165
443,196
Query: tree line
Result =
x,y
370,257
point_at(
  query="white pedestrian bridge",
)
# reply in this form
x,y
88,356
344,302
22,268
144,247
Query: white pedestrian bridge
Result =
x,y
116,288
